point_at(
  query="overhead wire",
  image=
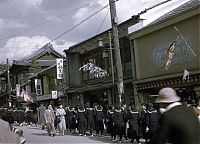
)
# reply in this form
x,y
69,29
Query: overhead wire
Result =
x,y
79,23
42,23
73,27
102,22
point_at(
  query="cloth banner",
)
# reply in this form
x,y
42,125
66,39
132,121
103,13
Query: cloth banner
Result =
x,y
26,97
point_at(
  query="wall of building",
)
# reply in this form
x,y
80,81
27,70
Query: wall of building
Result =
x,y
149,49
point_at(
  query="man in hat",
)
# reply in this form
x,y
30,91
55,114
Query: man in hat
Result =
x,y
179,124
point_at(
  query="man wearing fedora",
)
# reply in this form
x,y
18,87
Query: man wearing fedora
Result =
x,y
179,124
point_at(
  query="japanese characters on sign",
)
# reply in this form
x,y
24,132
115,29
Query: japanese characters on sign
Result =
x,y
59,64
54,95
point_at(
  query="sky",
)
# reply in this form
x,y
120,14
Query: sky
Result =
x,y
27,25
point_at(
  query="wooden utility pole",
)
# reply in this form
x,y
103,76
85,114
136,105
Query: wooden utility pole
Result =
x,y
118,64
112,67
9,87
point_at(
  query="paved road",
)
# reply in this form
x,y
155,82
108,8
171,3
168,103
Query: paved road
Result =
x,y
35,135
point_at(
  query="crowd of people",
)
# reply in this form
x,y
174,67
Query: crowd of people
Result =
x,y
166,120
127,122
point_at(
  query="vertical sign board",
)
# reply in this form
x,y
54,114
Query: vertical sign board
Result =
x,y
38,86
59,65
17,90
54,94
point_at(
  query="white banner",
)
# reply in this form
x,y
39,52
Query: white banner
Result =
x,y
17,90
54,94
38,87
59,65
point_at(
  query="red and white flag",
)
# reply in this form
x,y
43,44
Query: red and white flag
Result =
x,y
26,97
169,54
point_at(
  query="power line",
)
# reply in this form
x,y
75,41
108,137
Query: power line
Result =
x,y
42,23
79,23
103,21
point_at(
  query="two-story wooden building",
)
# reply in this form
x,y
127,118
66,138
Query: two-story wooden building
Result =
x,y
41,66
83,87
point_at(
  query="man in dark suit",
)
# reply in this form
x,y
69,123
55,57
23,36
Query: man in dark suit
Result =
x,y
179,124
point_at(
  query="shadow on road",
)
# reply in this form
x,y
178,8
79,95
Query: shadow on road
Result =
x,y
36,128
40,134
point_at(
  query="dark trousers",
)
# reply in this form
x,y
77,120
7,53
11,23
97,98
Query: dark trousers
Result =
x,y
119,130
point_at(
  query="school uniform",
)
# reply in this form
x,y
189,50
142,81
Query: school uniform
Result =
x,y
110,126
71,116
133,120
152,122
99,121
82,121
119,125
90,119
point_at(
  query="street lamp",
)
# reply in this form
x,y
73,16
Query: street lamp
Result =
x,y
100,44
106,53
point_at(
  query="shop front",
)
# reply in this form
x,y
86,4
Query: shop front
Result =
x,y
151,45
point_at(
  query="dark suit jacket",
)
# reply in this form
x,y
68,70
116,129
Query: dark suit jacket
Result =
x,y
179,126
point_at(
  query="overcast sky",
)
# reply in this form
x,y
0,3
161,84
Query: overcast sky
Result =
x,y
27,25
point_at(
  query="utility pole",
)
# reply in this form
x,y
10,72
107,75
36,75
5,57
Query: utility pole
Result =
x,y
118,64
112,67
9,87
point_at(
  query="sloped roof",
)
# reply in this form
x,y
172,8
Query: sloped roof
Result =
x,y
179,10
47,48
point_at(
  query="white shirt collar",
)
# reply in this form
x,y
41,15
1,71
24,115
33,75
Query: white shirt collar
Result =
x,y
170,106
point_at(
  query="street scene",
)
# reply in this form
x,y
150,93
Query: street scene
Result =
x,y
35,134
100,71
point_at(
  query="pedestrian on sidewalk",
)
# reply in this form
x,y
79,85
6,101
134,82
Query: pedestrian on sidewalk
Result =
x,y
49,119
179,123
60,114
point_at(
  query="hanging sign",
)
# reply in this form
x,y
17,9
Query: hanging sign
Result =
x,y
54,94
59,65
17,90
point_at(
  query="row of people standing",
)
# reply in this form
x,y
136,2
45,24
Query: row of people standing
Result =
x,y
118,121
130,123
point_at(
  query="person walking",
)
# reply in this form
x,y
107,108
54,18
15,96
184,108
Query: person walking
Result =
x,y
49,120
152,122
179,123
72,120
133,121
118,120
99,120
60,114
90,119
41,118
109,119
82,121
